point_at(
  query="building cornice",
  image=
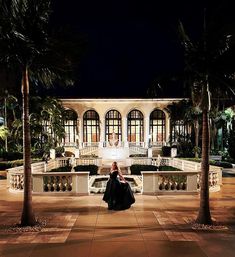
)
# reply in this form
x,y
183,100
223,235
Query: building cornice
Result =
x,y
122,99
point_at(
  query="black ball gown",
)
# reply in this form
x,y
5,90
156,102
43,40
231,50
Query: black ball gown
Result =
x,y
118,195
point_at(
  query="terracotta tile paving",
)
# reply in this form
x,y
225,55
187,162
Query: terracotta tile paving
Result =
x,y
154,226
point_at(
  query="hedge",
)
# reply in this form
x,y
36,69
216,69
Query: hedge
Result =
x,y
138,155
92,168
9,156
166,151
11,164
222,164
62,169
137,168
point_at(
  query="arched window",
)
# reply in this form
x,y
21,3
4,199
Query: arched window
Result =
x,y
113,121
70,126
91,127
157,127
135,123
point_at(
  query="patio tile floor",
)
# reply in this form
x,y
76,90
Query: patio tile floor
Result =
x,y
154,226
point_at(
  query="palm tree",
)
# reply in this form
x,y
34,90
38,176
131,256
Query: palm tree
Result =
x,y
205,64
25,45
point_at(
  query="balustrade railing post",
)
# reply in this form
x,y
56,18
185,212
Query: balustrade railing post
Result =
x,y
37,183
192,182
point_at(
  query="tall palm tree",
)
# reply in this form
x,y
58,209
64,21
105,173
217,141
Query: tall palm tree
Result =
x,y
25,45
206,62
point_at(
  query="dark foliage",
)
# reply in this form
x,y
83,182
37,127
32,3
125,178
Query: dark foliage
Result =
x,y
9,156
231,144
92,168
166,151
62,169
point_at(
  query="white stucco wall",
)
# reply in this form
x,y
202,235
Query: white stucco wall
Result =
x,y
124,106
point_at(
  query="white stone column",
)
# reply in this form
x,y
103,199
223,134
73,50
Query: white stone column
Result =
x,y
150,182
80,132
37,183
192,182
82,182
124,130
146,129
102,132
167,127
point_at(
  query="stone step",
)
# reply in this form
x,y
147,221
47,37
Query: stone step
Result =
x,y
156,151
108,162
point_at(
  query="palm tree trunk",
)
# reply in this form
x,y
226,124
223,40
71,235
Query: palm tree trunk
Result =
x,y
204,216
196,127
5,122
212,136
28,217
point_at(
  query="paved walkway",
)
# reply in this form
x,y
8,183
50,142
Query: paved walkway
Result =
x,y
152,227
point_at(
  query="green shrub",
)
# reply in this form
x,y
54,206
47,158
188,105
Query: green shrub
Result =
x,y
212,162
166,151
92,168
138,155
185,149
231,144
59,151
167,168
62,169
193,159
5,165
11,164
221,164
9,156
88,156
137,168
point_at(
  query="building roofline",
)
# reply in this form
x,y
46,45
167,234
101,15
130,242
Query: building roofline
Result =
x,y
120,99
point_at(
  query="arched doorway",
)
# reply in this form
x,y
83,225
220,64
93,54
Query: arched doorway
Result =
x,y
157,127
70,126
91,127
113,124
135,127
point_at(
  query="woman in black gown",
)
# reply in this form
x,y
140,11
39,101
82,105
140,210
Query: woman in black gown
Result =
x,y
118,194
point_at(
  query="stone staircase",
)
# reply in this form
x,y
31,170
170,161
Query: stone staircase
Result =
x,y
89,150
138,150
156,151
108,162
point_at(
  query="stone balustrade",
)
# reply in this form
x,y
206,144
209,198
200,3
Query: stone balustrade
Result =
x,y
64,161
139,160
89,161
61,162
186,180
61,182
163,182
16,181
44,181
162,161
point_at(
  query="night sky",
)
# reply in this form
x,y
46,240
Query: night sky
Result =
x,y
129,43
